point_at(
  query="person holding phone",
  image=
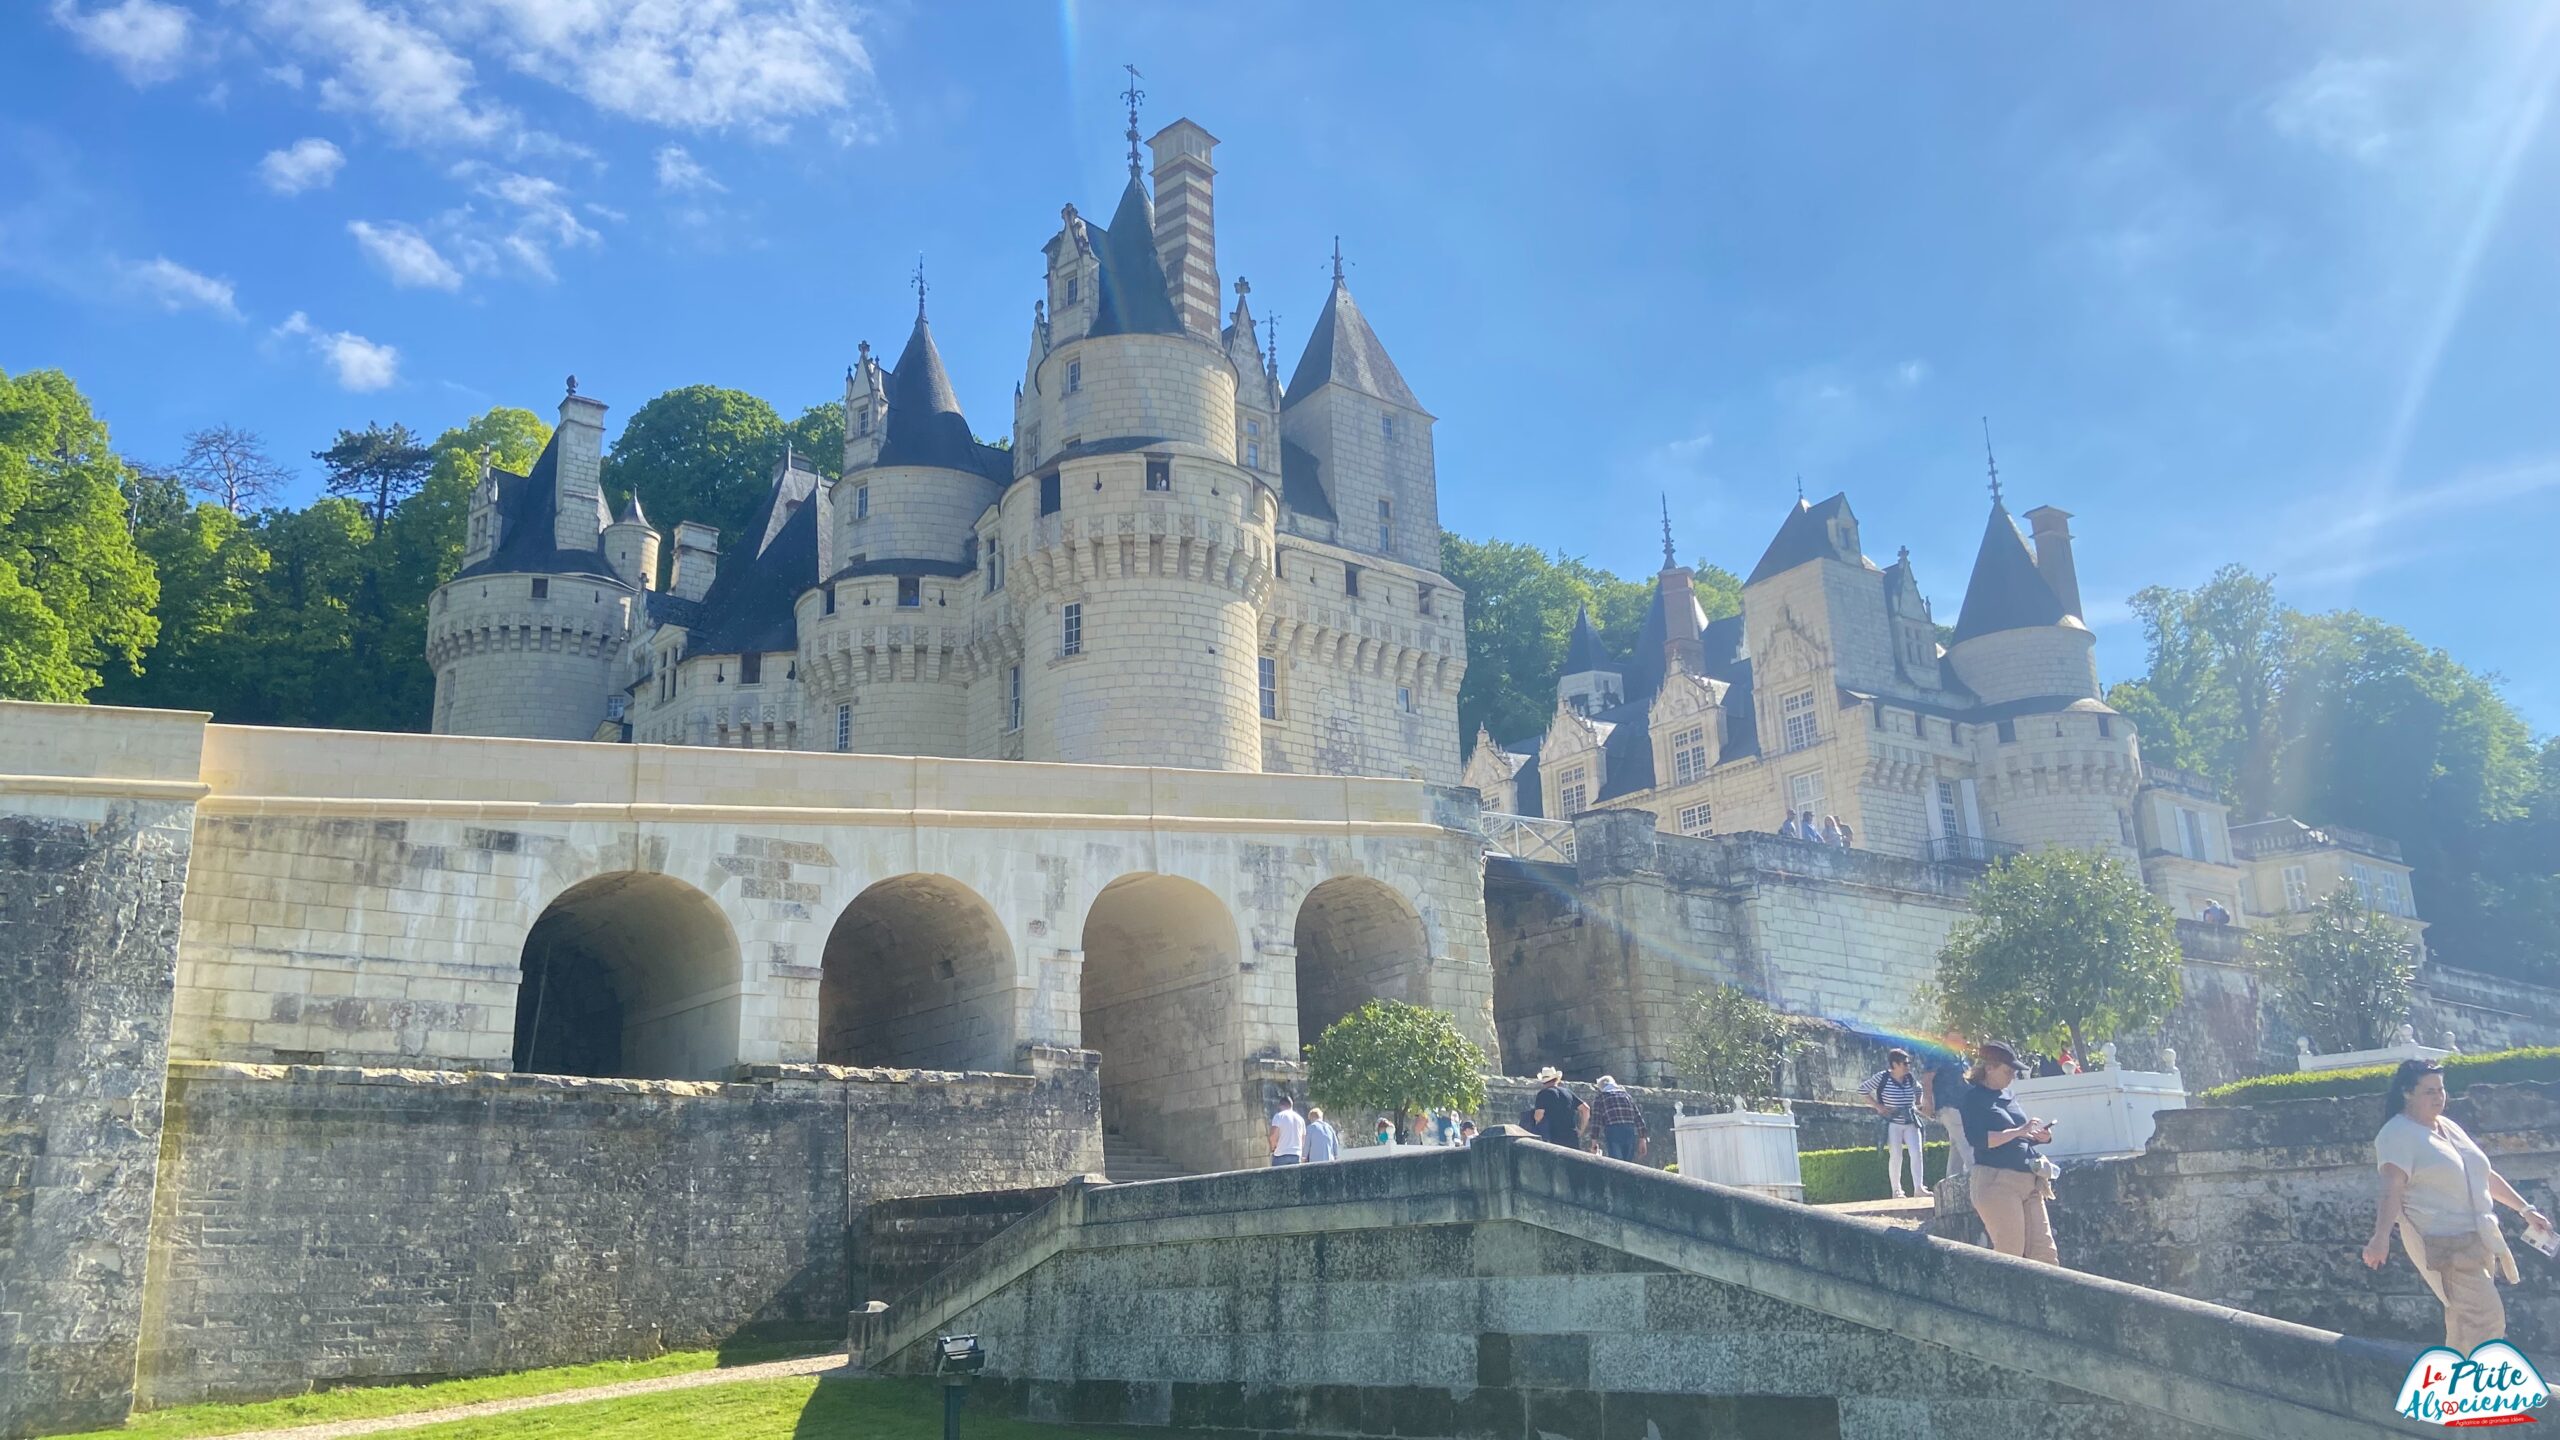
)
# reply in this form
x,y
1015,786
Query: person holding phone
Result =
x,y
2011,1178
2439,1189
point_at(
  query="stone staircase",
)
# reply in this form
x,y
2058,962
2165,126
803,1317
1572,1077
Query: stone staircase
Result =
x,y
1126,1161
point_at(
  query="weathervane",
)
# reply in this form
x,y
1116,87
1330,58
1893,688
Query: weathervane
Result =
x,y
918,279
1337,259
1670,560
1991,459
1271,331
1133,95
1799,489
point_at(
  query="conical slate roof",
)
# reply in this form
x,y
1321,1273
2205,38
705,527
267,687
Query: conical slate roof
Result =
x,y
2007,591
1135,299
1343,350
925,426
1584,651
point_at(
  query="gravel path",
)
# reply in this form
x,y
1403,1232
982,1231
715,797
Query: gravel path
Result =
x,y
334,1429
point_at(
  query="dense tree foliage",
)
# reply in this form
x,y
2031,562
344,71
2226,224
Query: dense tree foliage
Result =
x,y
2344,719
2344,978
2059,947
1520,608
1734,1045
1389,1058
705,454
76,595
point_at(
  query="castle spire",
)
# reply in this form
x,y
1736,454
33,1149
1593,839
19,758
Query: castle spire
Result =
x,y
1993,461
1670,557
1337,259
917,280
1133,95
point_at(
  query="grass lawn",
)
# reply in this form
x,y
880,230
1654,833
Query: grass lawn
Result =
x,y
364,1402
793,1409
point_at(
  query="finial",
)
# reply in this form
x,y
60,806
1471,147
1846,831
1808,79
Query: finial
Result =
x,y
573,384
1903,556
1799,489
918,280
1337,259
1271,332
1670,560
1991,459
864,350
848,375
1244,287
787,454
1133,95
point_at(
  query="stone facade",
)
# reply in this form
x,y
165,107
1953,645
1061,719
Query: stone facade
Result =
x,y
90,872
1515,1290
1178,561
322,1225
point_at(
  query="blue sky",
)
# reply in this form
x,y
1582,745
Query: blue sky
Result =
x,y
2273,284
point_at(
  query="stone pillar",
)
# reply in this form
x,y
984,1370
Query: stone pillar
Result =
x,y
97,815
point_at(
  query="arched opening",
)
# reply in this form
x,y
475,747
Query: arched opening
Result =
x,y
917,972
1358,940
1159,997
633,975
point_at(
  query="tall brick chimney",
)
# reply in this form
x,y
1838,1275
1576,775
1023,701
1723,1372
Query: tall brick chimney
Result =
x,y
1682,640
578,517
1186,229
2053,553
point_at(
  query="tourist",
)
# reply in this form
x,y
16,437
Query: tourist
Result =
x,y
2011,1178
1386,1132
2214,914
1323,1141
1620,1122
1288,1134
1466,1133
1555,1116
1848,840
1942,1088
1444,1128
2441,1192
1894,1092
1789,831
1829,830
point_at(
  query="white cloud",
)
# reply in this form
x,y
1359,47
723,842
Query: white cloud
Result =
x,y
543,220
409,258
145,39
754,65
361,365
175,287
2337,105
306,164
1911,372
381,65
679,172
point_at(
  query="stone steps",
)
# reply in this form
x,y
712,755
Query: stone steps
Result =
x,y
1126,1161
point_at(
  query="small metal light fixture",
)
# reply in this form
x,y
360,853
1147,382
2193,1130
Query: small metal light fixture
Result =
x,y
956,1358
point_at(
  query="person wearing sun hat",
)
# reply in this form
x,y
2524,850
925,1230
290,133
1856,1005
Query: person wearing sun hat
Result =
x,y
1555,1114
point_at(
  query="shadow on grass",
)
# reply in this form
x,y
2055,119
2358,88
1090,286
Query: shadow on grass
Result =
x,y
779,1340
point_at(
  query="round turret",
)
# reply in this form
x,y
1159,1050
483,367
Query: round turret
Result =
x,y
527,656
631,548
2064,776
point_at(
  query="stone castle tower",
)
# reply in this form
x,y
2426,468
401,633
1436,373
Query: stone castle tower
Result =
x,y
1178,561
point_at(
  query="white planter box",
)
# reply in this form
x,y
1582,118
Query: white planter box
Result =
x,y
2100,1112
1743,1148
2408,1048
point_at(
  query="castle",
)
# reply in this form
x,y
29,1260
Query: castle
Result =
x,y
1179,561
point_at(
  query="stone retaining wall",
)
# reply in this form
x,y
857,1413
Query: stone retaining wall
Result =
x,y
329,1225
902,1243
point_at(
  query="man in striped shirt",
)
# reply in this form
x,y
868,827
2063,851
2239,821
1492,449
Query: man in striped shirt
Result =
x,y
1895,1093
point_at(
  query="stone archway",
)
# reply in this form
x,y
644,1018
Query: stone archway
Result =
x,y
917,972
1159,1000
1358,940
630,974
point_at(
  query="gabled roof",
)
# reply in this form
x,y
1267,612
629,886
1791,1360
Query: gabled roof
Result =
x,y
2007,591
752,604
925,426
527,505
1806,535
1135,299
1584,651
1343,350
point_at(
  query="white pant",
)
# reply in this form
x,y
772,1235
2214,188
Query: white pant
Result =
x,y
1899,1138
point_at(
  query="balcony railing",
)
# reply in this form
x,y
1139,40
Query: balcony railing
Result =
x,y
1525,837
1970,850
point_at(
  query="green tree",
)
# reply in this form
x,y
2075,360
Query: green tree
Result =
x,y
1520,609
302,625
1733,1045
2216,665
700,453
2345,977
209,562
1395,1059
819,435
230,467
2060,946
377,467
76,595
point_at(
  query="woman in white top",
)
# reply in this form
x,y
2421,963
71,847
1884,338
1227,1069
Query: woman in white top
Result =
x,y
2437,1187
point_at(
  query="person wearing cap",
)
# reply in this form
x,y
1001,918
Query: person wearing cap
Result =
x,y
1555,1114
2011,1178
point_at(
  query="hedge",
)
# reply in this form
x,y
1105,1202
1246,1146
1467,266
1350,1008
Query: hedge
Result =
x,y
2498,1067
1833,1177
